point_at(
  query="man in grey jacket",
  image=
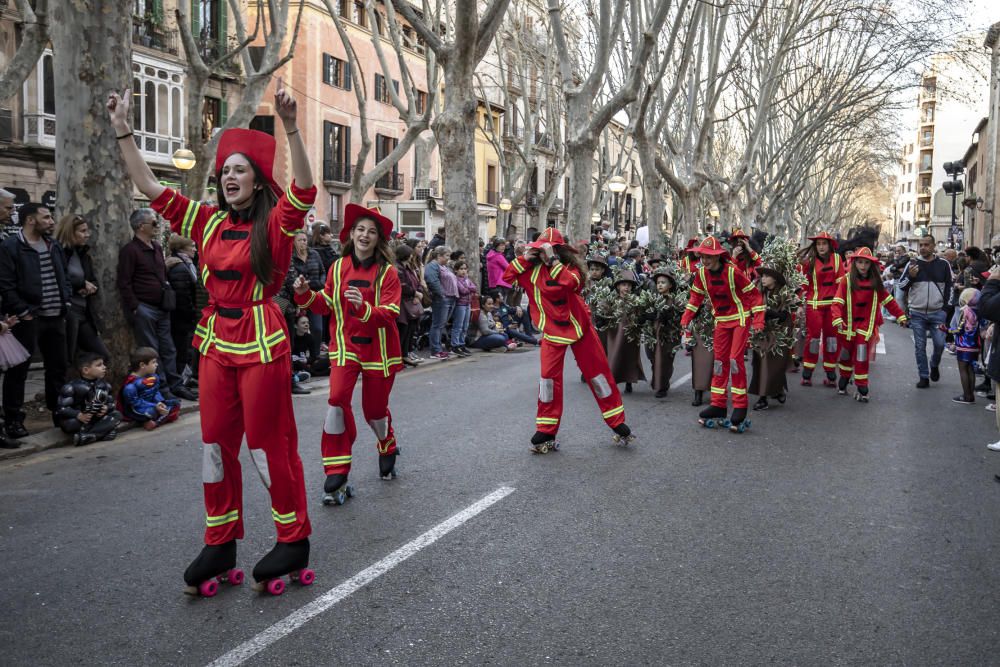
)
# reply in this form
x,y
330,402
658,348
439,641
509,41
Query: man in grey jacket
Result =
x,y
927,281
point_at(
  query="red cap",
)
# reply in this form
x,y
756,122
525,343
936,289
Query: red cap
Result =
x,y
353,213
825,236
257,146
551,236
865,253
710,246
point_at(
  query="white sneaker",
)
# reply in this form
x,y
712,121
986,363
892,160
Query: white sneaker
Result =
x,y
992,407
994,446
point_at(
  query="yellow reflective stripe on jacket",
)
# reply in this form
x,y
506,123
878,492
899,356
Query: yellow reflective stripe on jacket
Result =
x,y
538,296
558,339
741,312
283,519
576,326
368,312
204,274
207,334
187,223
556,269
295,201
338,314
213,224
222,519
260,329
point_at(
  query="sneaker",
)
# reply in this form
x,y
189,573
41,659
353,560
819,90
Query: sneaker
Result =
x,y
994,446
992,407
441,355
511,346
935,373
924,383
16,430
963,400
461,351
982,393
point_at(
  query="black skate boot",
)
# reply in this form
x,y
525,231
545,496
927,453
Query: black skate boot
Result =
x,y
387,465
712,416
761,404
739,422
215,564
699,397
336,490
543,443
830,380
807,375
289,558
842,385
623,436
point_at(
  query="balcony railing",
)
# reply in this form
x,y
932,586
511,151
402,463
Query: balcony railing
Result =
x,y
148,34
336,172
924,192
926,141
392,182
926,167
40,130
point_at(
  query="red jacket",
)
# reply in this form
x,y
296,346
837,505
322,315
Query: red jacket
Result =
x,y
733,297
242,325
747,262
821,280
553,292
857,308
366,335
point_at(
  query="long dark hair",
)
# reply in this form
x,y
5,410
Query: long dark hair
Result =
x,y
259,212
874,275
383,253
568,255
809,254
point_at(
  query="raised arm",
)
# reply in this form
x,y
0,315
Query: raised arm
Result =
x,y
287,110
118,110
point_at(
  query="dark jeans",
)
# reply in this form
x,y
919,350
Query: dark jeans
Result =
x,y
81,336
441,309
406,335
151,327
182,333
48,334
521,336
489,341
315,334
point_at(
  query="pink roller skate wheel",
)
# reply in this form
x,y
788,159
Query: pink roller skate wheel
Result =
x,y
276,586
236,576
208,588
306,577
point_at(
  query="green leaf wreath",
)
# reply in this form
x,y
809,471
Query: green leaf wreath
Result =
x,y
778,337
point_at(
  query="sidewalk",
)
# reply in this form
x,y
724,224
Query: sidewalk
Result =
x,y
44,436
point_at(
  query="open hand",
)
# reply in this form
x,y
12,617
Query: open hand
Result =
x,y
301,285
118,109
162,408
353,294
84,417
285,106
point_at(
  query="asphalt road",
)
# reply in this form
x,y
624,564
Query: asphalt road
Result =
x,y
831,533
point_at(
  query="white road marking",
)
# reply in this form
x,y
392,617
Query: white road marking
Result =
x,y
880,348
303,615
681,380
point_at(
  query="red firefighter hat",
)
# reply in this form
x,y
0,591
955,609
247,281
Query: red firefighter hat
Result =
x,y
551,236
353,213
865,253
257,146
738,234
710,246
825,236
691,244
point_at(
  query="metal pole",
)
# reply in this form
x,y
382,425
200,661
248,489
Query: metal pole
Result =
x,y
954,219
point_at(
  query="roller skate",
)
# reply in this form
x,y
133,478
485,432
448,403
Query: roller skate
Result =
x,y
623,436
861,395
842,386
712,416
214,565
336,490
830,380
806,378
738,423
387,465
288,558
543,443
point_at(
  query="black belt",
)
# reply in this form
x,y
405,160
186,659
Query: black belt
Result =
x,y
361,340
560,302
359,283
552,283
234,235
230,313
227,275
562,323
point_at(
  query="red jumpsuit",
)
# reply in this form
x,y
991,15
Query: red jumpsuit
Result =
x,y
857,315
559,312
819,290
689,263
736,302
244,372
363,341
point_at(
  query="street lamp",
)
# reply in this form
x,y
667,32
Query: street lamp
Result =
x,y
184,159
953,188
505,206
617,184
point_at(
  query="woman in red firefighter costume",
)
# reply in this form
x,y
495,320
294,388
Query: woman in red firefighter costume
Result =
x,y
361,296
245,372
552,276
822,268
744,257
857,315
737,308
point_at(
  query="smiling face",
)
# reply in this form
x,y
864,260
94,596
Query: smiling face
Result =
x,y
237,182
364,234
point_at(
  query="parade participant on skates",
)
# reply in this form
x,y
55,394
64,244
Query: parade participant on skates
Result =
x,y
361,296
822,268
245,371
857,315
744,257
701,356
552,276
737,308
768,378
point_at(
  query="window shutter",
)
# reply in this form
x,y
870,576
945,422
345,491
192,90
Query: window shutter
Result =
x,y
223,31
223,112
347,75
326,68
395,85
196,19
347,153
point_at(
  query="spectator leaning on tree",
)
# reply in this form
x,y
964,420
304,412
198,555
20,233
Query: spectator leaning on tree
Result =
x,y
182,273
927,281
142,283
34,287
82,328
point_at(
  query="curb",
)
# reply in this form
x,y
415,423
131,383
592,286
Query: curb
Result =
x,y
53,437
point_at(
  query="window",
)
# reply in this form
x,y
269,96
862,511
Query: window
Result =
x,y
263,124
421,101
383,147
336,152
380,23
334,207
909,187
408,41
336,72
360,16
211,116
382,91
345,7
48,87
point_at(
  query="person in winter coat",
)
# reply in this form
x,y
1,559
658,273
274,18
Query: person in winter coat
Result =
x,y
496,264
87,406
444,293
82,329
182,274
322,243
306,262
463,307
411,308
989,309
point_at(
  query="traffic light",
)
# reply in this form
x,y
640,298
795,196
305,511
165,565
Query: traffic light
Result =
x,y
953,187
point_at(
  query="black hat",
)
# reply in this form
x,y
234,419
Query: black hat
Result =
x,y
598,259
779,277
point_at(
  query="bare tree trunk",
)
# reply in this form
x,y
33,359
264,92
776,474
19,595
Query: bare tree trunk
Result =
x,y
34,38
424,146
93,59
580,156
